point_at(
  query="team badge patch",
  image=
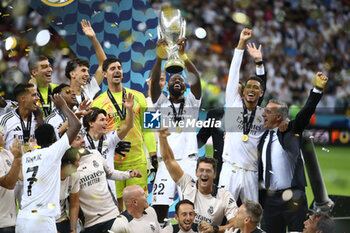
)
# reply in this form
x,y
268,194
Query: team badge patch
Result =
x,y
8,163
211,210
152,225
259,119
95,163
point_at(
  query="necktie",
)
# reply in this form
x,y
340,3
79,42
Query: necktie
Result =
x,y
268,162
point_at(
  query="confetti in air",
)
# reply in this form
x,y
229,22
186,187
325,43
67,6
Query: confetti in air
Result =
x,y
325,149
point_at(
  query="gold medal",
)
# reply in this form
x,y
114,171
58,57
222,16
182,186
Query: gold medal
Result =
x,y
26,147
245,137
178,129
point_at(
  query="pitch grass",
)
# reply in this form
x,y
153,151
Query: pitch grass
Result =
x,y
335,168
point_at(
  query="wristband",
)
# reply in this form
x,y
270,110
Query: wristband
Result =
x,y
216,229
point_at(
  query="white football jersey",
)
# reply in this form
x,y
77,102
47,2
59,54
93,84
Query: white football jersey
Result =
x,y
68,186
210,208
148,223
236,151
56,119
10,125
182,143
7,196
89,90
41,179
10,105
95,199
110,141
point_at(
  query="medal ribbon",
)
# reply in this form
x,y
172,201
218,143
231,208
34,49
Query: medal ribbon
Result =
x,y
121,112
247,124
47,110
25,130
92,144
177,115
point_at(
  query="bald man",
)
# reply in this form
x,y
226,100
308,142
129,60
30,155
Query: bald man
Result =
x,y
138,216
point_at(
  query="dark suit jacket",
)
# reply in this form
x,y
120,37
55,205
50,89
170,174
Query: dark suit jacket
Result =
x,y
290,140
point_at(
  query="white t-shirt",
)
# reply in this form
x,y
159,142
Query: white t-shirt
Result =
x,y
10,105
89,90
236,151
56,119
110,141
148,223
43,167
68,186
7,196
182,143
210,208
95,199
10,125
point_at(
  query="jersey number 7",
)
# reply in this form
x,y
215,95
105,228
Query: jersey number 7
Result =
x,y
32,179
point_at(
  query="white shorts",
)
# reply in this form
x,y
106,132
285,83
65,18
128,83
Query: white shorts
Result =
x,y
164,187
35,224
240,182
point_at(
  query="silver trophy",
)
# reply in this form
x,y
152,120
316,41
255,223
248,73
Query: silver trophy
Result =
x,y
172,26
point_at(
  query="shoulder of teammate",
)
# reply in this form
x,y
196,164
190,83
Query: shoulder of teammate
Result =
x,y
139,97
98,101
50,117
4,118
52,85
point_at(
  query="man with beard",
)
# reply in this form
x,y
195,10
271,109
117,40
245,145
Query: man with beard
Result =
x,y
175,109
40,70
185,215
243,125
111,101
212,204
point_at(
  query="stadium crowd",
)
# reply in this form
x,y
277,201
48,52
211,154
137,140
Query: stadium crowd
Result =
x,y
77,162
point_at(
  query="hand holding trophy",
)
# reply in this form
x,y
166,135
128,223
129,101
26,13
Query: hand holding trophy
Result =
x,y
172,27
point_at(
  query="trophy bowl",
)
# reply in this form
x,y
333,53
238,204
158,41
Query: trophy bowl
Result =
x,y
172,26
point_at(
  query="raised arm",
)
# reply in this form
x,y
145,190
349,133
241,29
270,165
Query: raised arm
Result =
x,y
196,83
167,154
232,93
74,124
9,180
129,120
156,90
303,117
100,54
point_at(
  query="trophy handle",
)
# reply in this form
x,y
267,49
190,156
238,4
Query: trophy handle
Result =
x,y
159,33
183,28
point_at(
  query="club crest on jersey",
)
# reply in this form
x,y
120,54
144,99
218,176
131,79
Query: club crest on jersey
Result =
x,y
95,163
8,163
153,228
211,210
259,119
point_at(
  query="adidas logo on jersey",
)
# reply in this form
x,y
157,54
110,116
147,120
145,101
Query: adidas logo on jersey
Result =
x,y
17,129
